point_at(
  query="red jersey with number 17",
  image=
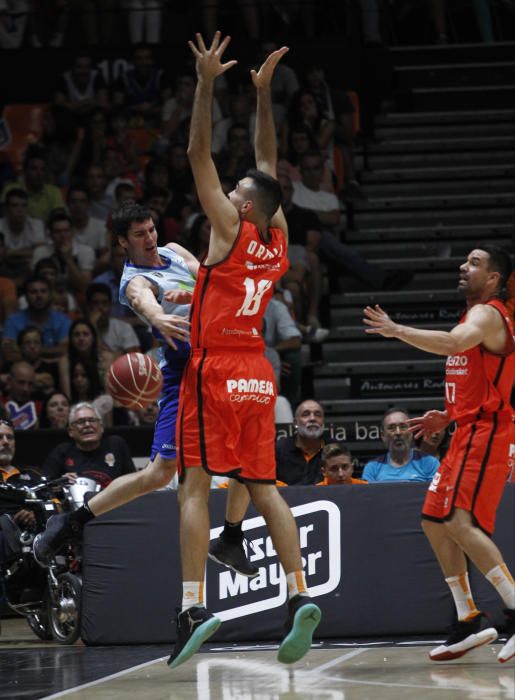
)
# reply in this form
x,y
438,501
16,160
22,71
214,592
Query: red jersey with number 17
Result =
x,y
231,296
479,382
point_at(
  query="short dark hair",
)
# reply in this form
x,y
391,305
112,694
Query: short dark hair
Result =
x,y
76,188
500,262
268,192
25,331
33,279
334,449
98,288
34,152
45,262
127,214
394,409
15,192
57,215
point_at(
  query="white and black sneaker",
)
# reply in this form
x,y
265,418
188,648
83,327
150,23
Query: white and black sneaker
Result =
x,y
194,626
465,635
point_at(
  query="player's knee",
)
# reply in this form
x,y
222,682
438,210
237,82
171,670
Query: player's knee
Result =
x,y
160,473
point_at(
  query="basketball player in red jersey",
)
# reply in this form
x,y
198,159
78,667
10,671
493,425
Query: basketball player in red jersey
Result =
x,y
461,502
226,412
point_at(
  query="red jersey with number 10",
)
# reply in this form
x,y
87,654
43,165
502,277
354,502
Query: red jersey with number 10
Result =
x,y
231,296
479,382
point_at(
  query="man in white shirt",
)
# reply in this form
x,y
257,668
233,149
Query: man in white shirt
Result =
x,y
117,335
75,260
86,229
21,232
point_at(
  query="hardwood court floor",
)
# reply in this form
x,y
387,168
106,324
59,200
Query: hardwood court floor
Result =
x,y
30,670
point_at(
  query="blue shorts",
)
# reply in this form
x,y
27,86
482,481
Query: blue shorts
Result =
x,y
164,431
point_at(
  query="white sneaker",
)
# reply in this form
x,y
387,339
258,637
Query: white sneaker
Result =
x,y
508,650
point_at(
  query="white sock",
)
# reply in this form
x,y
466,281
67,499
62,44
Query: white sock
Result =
x,y
192,594
296,584
502,581
462,595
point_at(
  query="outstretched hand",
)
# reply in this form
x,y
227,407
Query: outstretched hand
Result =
x,y
431,422
263,77
379,322
209,60
178,296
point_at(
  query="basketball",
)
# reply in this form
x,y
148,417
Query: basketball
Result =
x,y
134,380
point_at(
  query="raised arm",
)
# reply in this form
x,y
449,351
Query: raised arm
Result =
x,y
221,213
265,142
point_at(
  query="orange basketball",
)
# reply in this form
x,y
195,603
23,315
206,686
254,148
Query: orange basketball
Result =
x,y
134,380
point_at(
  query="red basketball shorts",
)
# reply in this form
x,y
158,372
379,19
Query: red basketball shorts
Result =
x,y
226,415
472,474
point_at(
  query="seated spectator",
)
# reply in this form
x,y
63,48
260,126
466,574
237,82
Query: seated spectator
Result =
x,y
55,411
49,269
21,232
300,141
299,457
81,90
9,474
144,416
116,335
82,369
53,324
30,344
236,158
101,204
402,462
337,467
281,333
74,260
85,228
43,197
90,453
20,400
305,111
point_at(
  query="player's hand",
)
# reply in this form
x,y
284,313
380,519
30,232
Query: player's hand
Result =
x,y
178,296
379,322
431,422
263,77
71,477
25,517
209,61
171,326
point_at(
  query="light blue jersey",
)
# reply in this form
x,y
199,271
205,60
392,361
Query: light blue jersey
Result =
x,y
421,467
171,275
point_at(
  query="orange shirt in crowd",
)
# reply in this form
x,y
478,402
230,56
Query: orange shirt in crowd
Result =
x,y
352,481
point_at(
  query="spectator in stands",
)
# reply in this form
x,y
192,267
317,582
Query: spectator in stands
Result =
x,y
21,232
116,335
144,416
436,444
176,112
8,300
9,474
282,334
84,348
81,89
285,82
74,260
402,462
305,111
237,157
53,324
142,89
101,203
87,229
157,200
43,197
13,20
111,277
90,453
49,269
300,141
308,194
299,457
180,176
46,374
20,400
198,236
240,113
337,467
55,411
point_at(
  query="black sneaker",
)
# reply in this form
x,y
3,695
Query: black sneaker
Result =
x,y
232,554
59,530
464,636
194,626
303,619
508,649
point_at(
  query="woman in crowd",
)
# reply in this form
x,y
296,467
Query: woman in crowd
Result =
x,y
84,352
54,413
30,344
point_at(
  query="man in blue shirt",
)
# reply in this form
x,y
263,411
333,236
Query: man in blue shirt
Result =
x,y
402,462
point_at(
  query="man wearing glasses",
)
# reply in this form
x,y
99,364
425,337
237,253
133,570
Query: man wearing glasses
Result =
x,y
402,462
90,453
